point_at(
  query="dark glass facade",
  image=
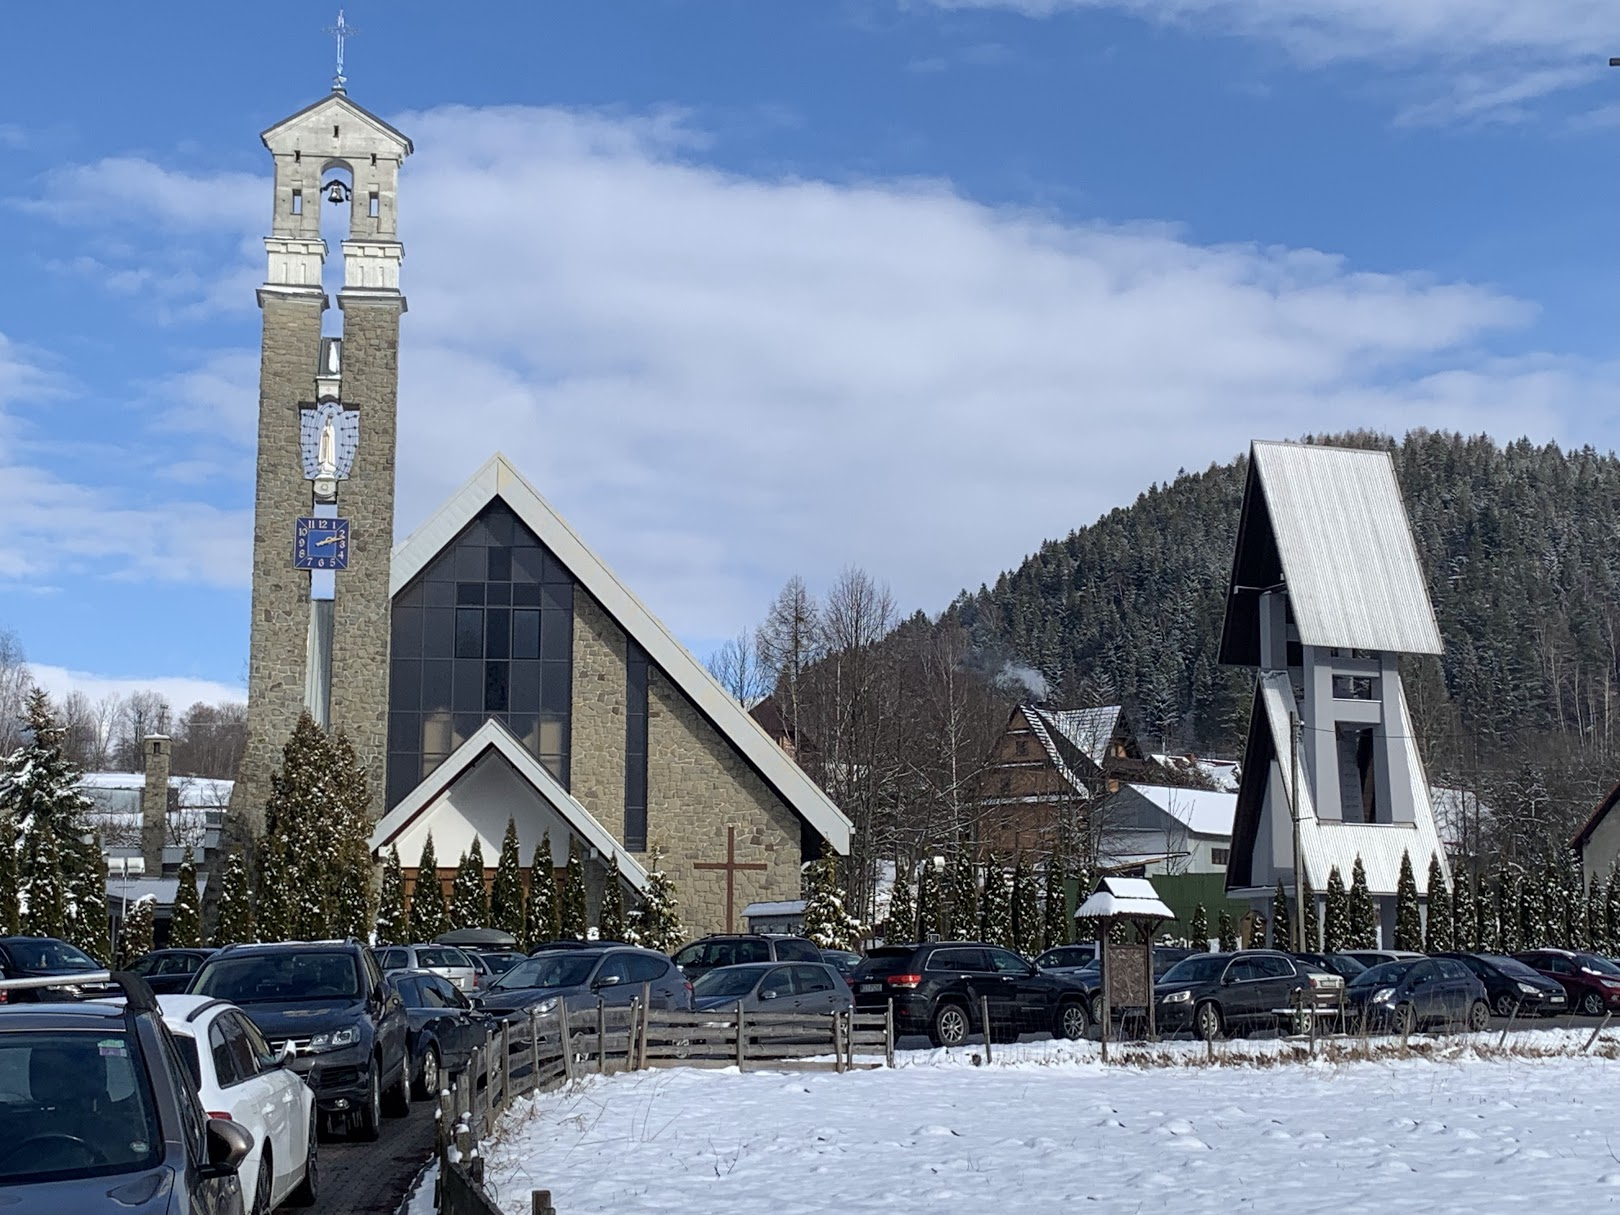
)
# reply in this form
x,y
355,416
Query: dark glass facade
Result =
x,y
635,748
486,630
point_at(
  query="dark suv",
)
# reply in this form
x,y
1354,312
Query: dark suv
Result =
x,y
936,990
735,949
46,957
328,1001
1216,993
98,1111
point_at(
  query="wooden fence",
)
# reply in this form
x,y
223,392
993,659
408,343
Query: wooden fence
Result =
x,y
548,1050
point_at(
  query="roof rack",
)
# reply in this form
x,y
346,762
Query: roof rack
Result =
x,y
138,996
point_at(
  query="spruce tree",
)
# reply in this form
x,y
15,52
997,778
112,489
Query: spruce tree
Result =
x,y
299,819
1199,931
185,926
1438,934
1026,913
1597,919
540,921
1408,917
350,870
995,909
572,913
1282,936
826,922
928,902
610,923
1084,928
269,891
506,895
393,923
44,888
40,795
902,924
1611,906
87,898
1510,912
10,902
964,895
1363,915
659,925
1484,915
1463,927
1313,919
468,908
1336,916
234,922
137,936
1054,906
1228,933
428,913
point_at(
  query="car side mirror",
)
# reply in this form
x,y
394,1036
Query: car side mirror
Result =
x,y
228,1145
285,1055
769,995
606,981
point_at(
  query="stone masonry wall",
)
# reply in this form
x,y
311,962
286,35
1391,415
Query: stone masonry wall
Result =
x,y
698,786
596,745
280,599
360,630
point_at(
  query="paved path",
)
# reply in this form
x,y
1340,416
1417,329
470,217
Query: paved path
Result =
x,y
371,1178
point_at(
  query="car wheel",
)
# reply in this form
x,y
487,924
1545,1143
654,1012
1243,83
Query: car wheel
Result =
x,y
1071,1021
368,1119
261,1186
1506,1005
1405,1019
427,1084
310,1187
396,1102
949,1026
1479,1016
1097,1009
1592,1004
1207,1021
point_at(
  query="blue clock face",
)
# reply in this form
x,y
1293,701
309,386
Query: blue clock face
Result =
x,y
321,544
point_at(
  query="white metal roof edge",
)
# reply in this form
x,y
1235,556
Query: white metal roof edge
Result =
x,y
1195,811
492,734
499,479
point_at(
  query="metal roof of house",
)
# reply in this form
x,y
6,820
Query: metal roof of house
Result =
x,y
195,792
1132,897
784,908
1087,730
1329,524
1201,811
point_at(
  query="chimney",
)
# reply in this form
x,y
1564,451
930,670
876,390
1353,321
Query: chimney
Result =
x,y
155,802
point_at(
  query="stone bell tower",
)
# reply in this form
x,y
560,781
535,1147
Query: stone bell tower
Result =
x,y
324,505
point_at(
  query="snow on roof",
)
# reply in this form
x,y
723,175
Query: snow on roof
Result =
x,y
1201,811
1222,773
196,792
1127,897
160,890
789,907
1087,730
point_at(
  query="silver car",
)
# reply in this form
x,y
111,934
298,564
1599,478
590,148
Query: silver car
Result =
x,y
784,987
444,960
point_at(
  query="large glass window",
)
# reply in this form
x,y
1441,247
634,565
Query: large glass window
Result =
x,y
486,630
635,748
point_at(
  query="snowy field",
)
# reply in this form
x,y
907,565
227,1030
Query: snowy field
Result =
x,y
1050,1129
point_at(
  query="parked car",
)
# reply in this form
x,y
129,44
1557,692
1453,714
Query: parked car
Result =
x,y
46,957
845,962
1511,986
1406,995
238,1076
777,987
735,949
1376,957
581,977
329,1001
1591,983
169,971
445,1028
446,960
1341,964
500,961
1067,959
1212,994
936,990
94,1098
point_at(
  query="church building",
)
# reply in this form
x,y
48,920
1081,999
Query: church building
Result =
x,y
490,666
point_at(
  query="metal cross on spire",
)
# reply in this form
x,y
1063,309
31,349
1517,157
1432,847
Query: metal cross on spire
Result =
x,y
342,31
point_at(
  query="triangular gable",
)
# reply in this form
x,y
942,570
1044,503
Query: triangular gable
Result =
x,y
493,738
340,101
498,479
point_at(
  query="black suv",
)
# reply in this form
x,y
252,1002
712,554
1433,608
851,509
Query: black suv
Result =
x,y
46,957
1216,993
936,990
328,1001
736,948
98,1111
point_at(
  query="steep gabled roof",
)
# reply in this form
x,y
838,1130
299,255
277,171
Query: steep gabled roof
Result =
x,y
498,479
494,736
340,101
1578,842
1329,524
1200,811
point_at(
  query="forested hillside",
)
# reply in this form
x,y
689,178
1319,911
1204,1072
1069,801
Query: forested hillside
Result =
x,y
1520,544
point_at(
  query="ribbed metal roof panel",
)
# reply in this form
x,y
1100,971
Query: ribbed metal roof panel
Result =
x,y
1347,552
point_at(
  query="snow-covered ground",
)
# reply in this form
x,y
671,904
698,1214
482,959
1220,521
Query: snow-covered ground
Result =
x,y
1053,1130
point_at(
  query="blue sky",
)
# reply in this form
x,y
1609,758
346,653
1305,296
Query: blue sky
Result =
x,y
752,288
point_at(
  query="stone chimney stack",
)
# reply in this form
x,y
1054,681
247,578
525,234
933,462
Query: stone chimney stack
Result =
x,y
155,802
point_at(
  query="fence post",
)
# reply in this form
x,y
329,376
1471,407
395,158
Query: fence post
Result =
x,y
565,1036
888,1034
601,1037
838,1041
646,1005
1607,1017
534,1048
540,1203
506,1064
984,1024
742,1037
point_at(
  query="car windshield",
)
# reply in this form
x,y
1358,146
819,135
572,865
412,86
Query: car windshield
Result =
x,y
1202,968
279,978
441,957
1384,974
1511,967
723,953
1597,965
78,1102
549,970
46,954
726,982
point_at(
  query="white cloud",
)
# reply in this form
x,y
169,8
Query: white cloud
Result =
x,y
722,380
181,692
1495,54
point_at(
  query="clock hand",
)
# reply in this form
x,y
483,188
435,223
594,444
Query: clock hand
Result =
x,y
332,539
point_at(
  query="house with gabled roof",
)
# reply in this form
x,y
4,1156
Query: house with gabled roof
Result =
x,y
1326,595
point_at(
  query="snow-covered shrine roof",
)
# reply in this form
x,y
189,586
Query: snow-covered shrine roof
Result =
x,y
1134,898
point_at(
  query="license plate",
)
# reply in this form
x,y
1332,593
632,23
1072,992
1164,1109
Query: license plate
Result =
x,y
871,987
1555,999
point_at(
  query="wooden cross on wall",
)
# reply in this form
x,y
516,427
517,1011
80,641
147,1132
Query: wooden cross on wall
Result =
x,y
732,867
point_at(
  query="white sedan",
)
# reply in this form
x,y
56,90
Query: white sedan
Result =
x,y
239,1077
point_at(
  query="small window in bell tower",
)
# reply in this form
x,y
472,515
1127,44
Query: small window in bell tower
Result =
x,y
373,204
297,202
